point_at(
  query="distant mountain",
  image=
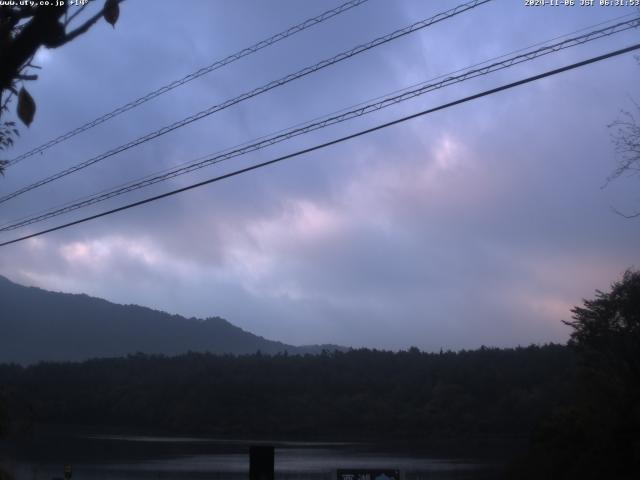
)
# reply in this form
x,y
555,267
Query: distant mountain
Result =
x,y
38,325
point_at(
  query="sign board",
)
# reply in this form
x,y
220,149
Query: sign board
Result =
x,y
67,471
368,474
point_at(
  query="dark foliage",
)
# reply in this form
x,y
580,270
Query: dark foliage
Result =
x,y
24,28
357,393
598,436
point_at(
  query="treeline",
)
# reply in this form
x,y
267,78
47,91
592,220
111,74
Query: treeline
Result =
x,y
579,404
408,394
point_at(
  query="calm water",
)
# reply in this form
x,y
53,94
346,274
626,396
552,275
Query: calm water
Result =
x,y
120,457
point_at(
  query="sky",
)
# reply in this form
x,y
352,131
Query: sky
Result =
x,y
481,224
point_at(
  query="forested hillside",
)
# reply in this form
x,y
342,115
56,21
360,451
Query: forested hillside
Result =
x,y
357,393
39,325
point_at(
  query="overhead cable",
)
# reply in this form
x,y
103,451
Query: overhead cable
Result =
x,y
265,88
310,22
324,122
332,142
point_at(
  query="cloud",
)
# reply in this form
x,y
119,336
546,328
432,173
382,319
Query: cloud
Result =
x,y
479,224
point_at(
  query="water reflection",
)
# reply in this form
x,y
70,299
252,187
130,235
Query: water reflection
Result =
x,y
124,457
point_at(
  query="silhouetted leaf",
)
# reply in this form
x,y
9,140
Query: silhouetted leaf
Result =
x,y
111,12
54,37
26,107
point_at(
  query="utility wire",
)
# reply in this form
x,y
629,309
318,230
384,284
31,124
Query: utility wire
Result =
x,y
310,22
363,109
265,88
409,87
333,142
248,146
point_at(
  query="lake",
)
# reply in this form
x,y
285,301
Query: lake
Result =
x,y
117,456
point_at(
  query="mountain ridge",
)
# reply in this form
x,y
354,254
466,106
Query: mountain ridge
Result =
x,y
42,325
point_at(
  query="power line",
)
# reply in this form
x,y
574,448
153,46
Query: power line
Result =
x,y
265,88
310,22
362,109
267,141
332,142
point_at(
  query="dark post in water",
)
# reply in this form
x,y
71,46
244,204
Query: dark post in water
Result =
x,y
261,465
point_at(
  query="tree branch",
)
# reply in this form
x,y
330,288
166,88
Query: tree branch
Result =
x,y
43,28
627,216
85,26
27,77
78,12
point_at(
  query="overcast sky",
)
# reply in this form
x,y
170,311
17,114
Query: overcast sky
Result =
x,y
480,224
